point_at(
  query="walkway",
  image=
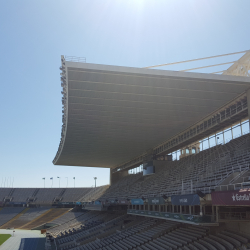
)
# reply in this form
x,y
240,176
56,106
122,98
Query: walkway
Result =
x,y
13,242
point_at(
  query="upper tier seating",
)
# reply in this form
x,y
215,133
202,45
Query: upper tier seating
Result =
x,y
203,171
48,196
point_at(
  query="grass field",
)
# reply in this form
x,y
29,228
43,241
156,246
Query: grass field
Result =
x,y
3,238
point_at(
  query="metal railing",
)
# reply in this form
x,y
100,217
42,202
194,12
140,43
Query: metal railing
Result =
x,y
234,215
75,59
234,186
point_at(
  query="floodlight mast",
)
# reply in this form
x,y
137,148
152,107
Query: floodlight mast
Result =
x,y
95,181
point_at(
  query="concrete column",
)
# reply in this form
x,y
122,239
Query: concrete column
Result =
x,y
110,177
248,104
201,210
217,214
213,213
190,210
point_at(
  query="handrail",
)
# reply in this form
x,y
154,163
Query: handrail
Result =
x,y
235,184
238,176
75,59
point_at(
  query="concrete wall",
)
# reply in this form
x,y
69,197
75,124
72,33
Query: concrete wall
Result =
x,y
241,227
117,176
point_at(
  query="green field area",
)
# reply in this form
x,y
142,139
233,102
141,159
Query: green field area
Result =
x,y
3,238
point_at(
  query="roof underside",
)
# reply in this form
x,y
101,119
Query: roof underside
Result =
x,y
116,113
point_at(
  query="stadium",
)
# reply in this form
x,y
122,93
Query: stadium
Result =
x,y
178,148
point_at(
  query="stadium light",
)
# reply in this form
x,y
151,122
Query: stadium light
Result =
x,y
59,181
95,181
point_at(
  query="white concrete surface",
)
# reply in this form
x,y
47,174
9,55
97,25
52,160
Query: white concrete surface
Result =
x,y
13,242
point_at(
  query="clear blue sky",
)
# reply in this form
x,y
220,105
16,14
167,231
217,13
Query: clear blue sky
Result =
x,y
34,34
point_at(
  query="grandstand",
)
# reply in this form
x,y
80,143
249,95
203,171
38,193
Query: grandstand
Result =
x,y
178,148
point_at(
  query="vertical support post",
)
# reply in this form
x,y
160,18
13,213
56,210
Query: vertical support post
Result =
x,y
190,209
201,210
110,177
212,213
217,213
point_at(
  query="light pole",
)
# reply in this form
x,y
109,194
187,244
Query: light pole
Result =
x,y
44,181
67,182
95,181
74,181
59,181
52,181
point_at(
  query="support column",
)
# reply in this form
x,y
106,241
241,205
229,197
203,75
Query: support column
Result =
x,y
172,208
201,210
213,213
248,104
110,176
180,209
217,214
190,210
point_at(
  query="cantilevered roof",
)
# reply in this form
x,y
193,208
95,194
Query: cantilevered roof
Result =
x,y
113,114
